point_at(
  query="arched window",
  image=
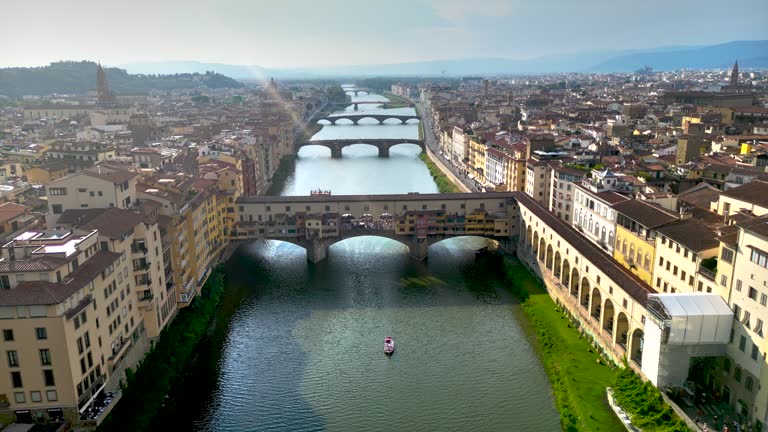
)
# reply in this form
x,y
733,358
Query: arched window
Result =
x,y
631,251
624,247
590,224
610,238
647,263
602,234
597,229
639,260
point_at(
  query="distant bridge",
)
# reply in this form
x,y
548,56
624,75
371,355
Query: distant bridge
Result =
x,y
383,144
415,220
384,104
357,91
355,118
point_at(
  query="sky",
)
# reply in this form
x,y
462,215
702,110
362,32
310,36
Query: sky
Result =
x,y
296,33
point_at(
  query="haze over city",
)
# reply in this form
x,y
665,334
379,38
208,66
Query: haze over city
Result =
x,y
306,33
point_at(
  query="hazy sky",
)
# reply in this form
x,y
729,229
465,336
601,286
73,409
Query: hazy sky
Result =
x,y
287,33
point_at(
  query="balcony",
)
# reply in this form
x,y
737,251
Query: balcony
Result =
x,y
141,267
138,251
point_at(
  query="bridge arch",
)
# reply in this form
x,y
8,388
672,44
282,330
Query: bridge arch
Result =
x,y
316,147
420,147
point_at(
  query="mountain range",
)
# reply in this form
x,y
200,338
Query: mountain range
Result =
x,y
750,54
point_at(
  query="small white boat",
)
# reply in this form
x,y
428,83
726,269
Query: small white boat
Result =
x,y
389,345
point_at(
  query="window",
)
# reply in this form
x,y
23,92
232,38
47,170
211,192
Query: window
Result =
x,y
45,357
57,191
726,255
5,282
759,327
737,374
759,257
742,343
41,333
13,359
16,379
36,396
51,395
749,383
753,293
19,397
723,280
738,284
57,209
7,335
48,377
755,352
763,299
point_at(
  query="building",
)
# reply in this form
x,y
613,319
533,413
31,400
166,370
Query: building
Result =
x,y
751,198
137,236
96,187
69,327
47,172
593,213
636,231
16,218
683,249
744,372
81,153
10,169
563,181
691,144
460,146
537,180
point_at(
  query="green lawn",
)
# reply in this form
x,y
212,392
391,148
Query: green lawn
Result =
x,y
571,362
444,184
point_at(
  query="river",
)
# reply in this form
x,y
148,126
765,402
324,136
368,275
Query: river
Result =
x,y
298,347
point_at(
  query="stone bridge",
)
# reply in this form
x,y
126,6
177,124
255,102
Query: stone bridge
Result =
x,y
415,220
355,118
383,144
384,104
357,91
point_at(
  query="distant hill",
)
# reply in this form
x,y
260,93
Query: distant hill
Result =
x,y
173,67
80,77
750,54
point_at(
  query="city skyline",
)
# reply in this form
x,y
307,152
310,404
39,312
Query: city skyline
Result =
x,y
297,33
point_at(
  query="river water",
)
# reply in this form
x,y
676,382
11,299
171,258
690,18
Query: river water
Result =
x,y
298,347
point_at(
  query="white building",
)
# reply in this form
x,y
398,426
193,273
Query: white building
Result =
x,y
593,212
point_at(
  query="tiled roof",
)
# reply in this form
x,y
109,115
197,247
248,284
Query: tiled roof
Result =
x,y
693,235
114,222
623,278
647,214
41,264
10,210
754,192
49,293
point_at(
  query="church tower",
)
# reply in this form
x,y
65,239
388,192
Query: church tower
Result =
x,y
735,74
102,87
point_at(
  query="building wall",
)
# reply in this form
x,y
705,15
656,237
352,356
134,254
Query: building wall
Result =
x,y
749,299
81,191
631,252
676,269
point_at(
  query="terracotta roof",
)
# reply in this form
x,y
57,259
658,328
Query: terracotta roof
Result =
x,y
49,293
41,264
116,176
11,210
693,235
758,225
631,284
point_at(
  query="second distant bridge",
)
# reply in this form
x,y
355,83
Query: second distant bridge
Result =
x,y
383,144
355,118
